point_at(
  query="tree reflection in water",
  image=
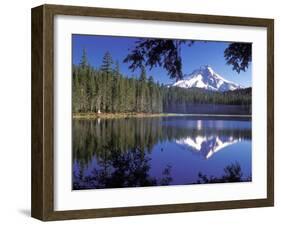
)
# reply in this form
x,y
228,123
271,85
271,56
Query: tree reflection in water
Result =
x,y
232,173
121,169
114,153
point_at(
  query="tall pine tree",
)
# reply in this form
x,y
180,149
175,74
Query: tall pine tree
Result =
x,y
107,63
84,59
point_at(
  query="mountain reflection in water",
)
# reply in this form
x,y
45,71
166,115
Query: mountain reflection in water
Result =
x,y
207,145
135,152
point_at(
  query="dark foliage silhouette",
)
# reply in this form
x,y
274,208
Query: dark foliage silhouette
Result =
x,y
167,54
239,55
122,169
158,52
232,173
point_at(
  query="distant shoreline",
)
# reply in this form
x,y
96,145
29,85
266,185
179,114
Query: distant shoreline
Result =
x,y
91,115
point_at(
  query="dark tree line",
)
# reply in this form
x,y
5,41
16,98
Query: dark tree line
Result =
x,y
106,90
177,95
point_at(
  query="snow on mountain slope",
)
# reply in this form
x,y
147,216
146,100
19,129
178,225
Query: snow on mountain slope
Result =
x,y
206,145
206,78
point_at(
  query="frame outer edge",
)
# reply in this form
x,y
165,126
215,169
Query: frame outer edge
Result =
x,y
156,15
270,112
42,205
37,113
48,118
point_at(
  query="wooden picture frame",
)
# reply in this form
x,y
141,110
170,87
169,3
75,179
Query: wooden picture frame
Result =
x,y
43,112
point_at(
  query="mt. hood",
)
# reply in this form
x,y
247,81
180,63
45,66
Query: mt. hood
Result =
x,y
206,78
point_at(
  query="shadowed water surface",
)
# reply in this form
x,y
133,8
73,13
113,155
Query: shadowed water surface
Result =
x,y
133,152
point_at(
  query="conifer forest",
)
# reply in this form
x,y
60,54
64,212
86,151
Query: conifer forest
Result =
x,y
107,90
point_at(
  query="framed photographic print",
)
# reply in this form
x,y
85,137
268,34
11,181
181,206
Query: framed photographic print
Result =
x,y
141,112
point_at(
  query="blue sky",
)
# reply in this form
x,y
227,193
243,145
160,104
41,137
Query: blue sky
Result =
x,y
200,53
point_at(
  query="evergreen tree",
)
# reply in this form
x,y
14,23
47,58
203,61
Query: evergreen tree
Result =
x,y
142,92
75,90
117,68
107,63
152,94
84,59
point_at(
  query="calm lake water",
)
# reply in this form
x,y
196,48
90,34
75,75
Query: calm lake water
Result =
x,y
175,150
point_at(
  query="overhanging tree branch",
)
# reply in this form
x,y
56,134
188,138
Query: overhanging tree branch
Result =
x,y
166,53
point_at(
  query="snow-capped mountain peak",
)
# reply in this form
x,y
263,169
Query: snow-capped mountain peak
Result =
x,y
206,78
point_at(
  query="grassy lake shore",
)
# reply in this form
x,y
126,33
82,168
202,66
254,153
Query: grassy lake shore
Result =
x,y
91,115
